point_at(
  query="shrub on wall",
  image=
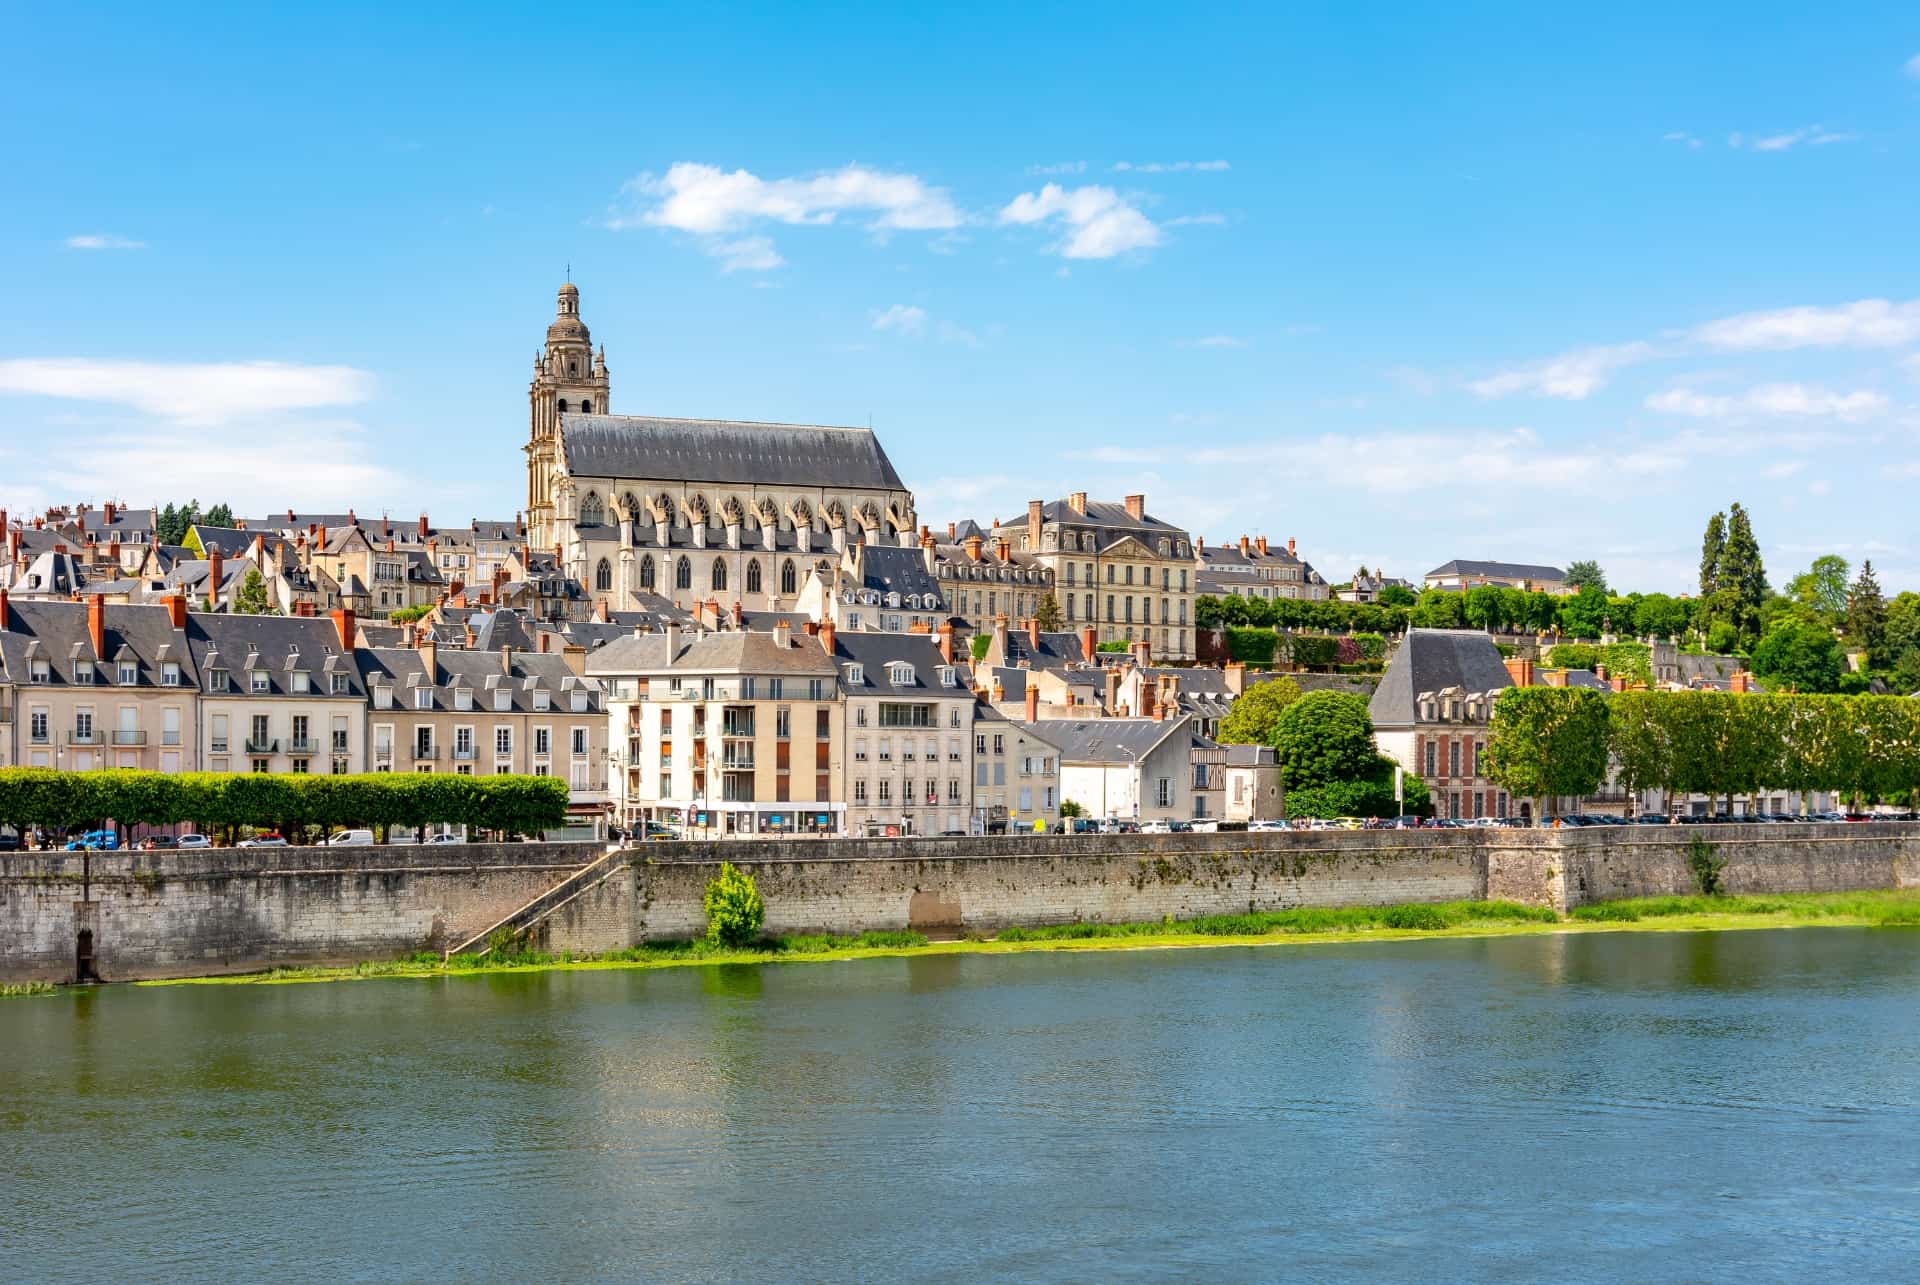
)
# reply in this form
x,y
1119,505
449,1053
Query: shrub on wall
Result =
x,y
734,908
1252,646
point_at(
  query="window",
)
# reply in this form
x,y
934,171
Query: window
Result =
x,y
258,681
340,735
860,716
1109,573
817,690
646,573
300,725
886,791
1453,758
129,673
789,578
38,724
592,511
860,751
423,698
337,684
299,681
953,790
579,740
1432,765
257,740
683,574
42,672
83,673
542,740
423,742
859,791
783,723
463,742
753,575
718,577
1163,792
603,576
503,741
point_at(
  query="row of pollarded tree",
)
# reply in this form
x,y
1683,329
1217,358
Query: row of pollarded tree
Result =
x,y
222,803
1562,742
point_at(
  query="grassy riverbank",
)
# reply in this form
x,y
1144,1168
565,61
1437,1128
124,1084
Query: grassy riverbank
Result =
x,y
1283,927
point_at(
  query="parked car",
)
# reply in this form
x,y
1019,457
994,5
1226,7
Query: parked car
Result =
x,y
95,841
1265,826
266,839
1204,825
1156,827
1652,818
446,838
351,839
193,841
10,843
155,842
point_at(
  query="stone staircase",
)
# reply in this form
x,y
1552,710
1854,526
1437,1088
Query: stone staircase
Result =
x,y
528,916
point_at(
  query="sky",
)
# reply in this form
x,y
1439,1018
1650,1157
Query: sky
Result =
x,y
1406,284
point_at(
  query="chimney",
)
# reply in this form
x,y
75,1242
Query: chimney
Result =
x,y
423,526
1033,700
1077,502
1137,507
96,623
1600,672
1556,678
1113,689
290,516
386,529
1086,644
1033,632
782,634
673,639
3,608
1261,544
1235,675
1290,552
953,529
1003,549
999,691
214,572
810,628
1742,681
107,511
974,543
342,625
1034,508
1244,542
1000,636
429,648
826,636
1142,653
351,519
600,610
177,610
526,557
946,642
739,615
389,544
1520,670
1149,708
1617,683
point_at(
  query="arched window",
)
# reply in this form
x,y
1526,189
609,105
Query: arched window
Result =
x,y
592,511
563,405
646,572
683,575
719,577
753,575
789,582
603,576
586,407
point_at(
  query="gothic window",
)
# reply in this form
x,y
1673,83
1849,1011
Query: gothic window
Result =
x,y
592,512
646,572
719,577
789,581
683,575
753,575
603,576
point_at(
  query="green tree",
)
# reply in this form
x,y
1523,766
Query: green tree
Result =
x,y
219,515
1742,571
1048,613
1396,596
1800,655
1548,742
1584,615
1485,607
1325,737
1867,617
1439,609
1822,586
1370,796
1255,716
1711,547
978,644
1586,572
1658,616
251,599
734,908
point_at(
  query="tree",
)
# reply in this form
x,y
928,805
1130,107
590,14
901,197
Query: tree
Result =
x,y
1822,586
1658,616
1047,613
251,599
1396,596
1800,655
1548,742
1325,737
1584,615
1867,616
1740,566
1586,572
734,908
1371,796
1255,716
1711,546
1439,609
168,529
1485,607
219,515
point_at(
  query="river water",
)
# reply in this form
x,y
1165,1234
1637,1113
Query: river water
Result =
x,y
1675,1106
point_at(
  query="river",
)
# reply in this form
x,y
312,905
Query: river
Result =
x,y
1710,1106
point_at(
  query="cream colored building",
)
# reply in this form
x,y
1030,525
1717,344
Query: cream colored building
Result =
x,y
910,720
1115,567
1016,775
725,733
279,694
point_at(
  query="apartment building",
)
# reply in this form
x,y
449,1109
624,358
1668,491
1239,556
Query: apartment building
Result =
x,y
725,733
90,684
278,693
1253,569
909,719
1016,774
1139,768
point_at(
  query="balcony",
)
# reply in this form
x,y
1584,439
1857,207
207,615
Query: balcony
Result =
x,y
303,745
122,736
737,759
217,746
426,753
262,745
80,738
461,755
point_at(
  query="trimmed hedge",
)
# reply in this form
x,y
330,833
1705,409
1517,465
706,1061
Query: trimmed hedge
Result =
x,y
225,801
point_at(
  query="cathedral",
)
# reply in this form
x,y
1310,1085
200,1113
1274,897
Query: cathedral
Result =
x,y
692,509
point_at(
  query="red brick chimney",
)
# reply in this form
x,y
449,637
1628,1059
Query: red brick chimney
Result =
x,y
1520,670
739,615
826,636
1034,508
1261,544
1003,548
177,610
1077,502
423,526
1087,643
3,608
344,626
974,544
998,693
1136,507
1033,700
1148,696
1244,543
953,529
1033,632
1742,681
946,642
97,623
107,510
1142,653
1290,549
214,572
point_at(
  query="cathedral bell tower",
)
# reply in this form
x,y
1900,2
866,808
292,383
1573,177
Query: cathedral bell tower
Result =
x,y
569,378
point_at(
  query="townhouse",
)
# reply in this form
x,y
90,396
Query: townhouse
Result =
x,y
278,693
910,720
1139,768
1016,775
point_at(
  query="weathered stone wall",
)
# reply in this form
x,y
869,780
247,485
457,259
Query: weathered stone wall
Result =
x,y
224,910
232,910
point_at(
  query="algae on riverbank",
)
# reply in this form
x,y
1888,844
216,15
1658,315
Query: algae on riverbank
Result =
x,y
1299,926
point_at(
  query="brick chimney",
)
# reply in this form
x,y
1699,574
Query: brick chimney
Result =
x,y
600,610
3,608
999,692
1113,689
782,633
546,641
946,642
1077,502
953,529
107,511
1033,700
343,625
974,544
1261,544
1290,548
429,648
826,636
177,610
739,615
97,623
1149,707
1136,507
1556,678
1087,643
423,526
1000,636
1520,670
1142,653
1033,632
1742,681
1235,675
1244,543
214,572
1034,522
1003,548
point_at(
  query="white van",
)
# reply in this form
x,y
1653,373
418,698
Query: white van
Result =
x,y
352,838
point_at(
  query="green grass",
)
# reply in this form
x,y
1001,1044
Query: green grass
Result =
x,y
1438,917
1892,908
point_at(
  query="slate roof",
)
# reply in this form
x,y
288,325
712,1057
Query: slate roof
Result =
x,y
231,541
1056,650
1100,513
282,645
482,673
875,652
1429,660
1514,571
725,451
713,653
888,568
56,632
1111,740
52,573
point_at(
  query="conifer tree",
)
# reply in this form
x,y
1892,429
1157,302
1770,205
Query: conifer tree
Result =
x,y
1867,616
1710,549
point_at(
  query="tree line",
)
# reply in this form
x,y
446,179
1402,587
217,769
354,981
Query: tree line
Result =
x,y
1562,742
174,520
222,802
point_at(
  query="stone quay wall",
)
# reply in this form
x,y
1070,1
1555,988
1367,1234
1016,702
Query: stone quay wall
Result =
x,y
171,914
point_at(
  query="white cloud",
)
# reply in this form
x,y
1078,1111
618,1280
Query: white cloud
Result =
x,y
1099,223
1214,341
1769,399
1868,323
1811,135
1205,220
711,203
1168,167
1399,463
1057,168
188,392
903,319
104,241
1573,376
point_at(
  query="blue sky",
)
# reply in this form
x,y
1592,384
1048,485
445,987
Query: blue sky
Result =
x,y
1407,285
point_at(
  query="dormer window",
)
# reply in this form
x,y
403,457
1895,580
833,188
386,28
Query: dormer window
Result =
x,y
462,698
170,674
423,698
298,681
900,674
856,675
580,701
337,684
129,673
258,682
218,681
40,672
542,700
383,696
946,675
83,673
502,701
